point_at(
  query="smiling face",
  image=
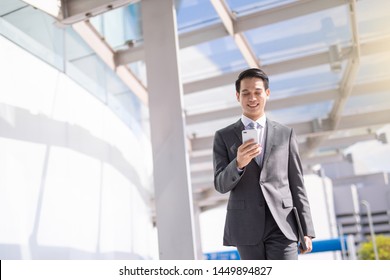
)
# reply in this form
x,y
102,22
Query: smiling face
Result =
x,y
252,97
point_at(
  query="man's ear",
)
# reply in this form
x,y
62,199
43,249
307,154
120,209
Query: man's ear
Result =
x,y
268,93
238,96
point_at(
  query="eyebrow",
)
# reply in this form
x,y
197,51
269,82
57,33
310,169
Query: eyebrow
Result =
x,y
257,88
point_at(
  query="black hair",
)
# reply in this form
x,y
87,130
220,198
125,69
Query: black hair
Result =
x,y
252,73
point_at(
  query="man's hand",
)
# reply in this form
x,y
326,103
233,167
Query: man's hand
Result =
x,y
246,152
309,245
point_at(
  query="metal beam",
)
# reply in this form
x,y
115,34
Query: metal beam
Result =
x,y
346,84
350,71
201,166
75,10
201,159
246,50
291,101
378,179
95,41
245,23
338,143
127,56
206,174
294,64
204,162
204,179
211,198
92,37
331,158
312,60
203,143
284,12
224,14
137,53
312,128
198,179
273,104
342,142
202,186
202,35
50,7
229,21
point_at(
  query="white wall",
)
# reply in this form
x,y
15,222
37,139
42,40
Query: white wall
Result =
x,y
75,181
320,194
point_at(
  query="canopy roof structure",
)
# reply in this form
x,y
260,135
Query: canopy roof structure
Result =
x,y
328,63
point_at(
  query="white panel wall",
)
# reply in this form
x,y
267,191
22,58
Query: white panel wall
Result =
x,y
320,194
75,182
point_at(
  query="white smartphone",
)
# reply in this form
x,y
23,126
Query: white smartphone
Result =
x,y
250,134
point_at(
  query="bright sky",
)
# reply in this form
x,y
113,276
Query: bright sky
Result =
x,y
372,156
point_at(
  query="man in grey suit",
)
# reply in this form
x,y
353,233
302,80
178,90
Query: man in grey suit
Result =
x,y
264,179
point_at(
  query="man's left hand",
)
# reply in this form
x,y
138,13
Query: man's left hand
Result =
x,y
309,245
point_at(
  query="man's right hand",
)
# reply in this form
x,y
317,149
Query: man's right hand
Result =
x,y
246,152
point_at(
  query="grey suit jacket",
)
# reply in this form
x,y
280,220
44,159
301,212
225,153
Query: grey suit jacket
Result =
x,y
279,184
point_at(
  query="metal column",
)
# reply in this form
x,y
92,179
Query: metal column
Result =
x,y
371,225
173,194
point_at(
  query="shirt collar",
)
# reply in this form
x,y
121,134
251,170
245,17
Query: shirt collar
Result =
x,y
261,121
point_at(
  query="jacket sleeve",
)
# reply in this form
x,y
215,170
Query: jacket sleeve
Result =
x,y
226,175
297,187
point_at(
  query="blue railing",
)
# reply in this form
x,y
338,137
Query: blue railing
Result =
x,y
329,245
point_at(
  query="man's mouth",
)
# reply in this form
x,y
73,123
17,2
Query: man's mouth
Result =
x,y
253,105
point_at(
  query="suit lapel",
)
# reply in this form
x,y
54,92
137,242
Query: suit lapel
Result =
x,y
238,128
269,140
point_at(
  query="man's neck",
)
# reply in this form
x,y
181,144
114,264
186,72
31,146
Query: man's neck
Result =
x,y
255,118
245,120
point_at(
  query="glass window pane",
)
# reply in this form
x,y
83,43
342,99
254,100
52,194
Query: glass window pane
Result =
x,y
210,59
9,6
193,14
120,26
37,32
241,7
301,36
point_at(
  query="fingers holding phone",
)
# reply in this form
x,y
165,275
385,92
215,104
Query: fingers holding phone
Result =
x,y
249,149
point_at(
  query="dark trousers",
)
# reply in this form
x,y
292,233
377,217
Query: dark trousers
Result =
x,y
274,246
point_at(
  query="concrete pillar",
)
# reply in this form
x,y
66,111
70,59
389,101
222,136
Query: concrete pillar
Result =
x,y
198,245
173,195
